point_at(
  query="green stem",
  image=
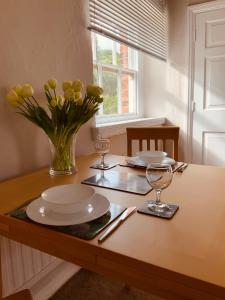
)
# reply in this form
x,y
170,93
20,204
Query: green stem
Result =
x,y
35,100
63,159
55,95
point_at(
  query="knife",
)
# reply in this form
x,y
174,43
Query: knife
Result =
x,y
112,227
182,168
178,167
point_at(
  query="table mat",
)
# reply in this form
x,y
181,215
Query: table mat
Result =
x,y
120,181
84,231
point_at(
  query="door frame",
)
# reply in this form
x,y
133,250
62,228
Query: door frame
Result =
x,y
193,11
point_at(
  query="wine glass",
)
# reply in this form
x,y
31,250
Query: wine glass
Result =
x,y
159,176
102,147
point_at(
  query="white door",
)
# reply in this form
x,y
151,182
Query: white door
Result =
x,y
208,144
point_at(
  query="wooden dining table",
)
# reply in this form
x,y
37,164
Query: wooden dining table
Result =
x,y
180,258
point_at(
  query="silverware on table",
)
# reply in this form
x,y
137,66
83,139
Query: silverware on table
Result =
x,y
177,167
120,220
182,168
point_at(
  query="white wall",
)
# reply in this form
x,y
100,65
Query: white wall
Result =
x,y
42,39
39,39
166,83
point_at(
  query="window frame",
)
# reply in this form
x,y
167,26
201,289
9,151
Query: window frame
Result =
x,y
119,70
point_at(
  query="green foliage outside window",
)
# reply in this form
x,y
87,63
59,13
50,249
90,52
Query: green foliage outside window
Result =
x,y
109,83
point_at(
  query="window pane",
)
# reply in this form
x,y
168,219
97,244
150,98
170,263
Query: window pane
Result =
x,y
104,50
115,70
125,56
128,93
109,84
93,41
95,76
122,55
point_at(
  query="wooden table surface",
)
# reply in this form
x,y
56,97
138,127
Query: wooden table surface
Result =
x,y
181,258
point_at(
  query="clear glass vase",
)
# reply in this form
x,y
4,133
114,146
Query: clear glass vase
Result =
x,y
63,155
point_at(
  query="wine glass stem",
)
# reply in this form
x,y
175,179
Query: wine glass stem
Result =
x,y
158,195
102,159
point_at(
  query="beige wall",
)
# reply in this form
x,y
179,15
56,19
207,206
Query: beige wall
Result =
x,y
166,84
42,39
39,39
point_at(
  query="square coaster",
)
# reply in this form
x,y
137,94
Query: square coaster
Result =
x,y
109,166
166,214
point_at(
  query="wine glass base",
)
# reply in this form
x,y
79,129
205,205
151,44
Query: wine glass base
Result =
x,y
105,167
160,207
166,214
102,167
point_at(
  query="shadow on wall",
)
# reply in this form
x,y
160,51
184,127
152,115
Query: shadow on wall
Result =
x,y
34,54
24,141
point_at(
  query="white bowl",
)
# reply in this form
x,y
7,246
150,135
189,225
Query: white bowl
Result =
x,y
68,198
151,156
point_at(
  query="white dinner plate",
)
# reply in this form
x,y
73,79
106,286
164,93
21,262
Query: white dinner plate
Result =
x,y
39,212
136,161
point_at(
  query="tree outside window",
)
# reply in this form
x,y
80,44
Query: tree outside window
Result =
x,y
115,69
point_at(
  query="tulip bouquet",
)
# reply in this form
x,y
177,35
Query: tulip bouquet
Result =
x,y
62,118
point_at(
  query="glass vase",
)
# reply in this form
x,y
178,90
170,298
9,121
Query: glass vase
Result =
x,y
63,155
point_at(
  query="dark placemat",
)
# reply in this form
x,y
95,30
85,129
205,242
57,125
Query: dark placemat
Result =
x,y
121,181
84,231
166,215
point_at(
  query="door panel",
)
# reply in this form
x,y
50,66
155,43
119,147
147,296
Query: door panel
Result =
x,y
213,142
215,33
209,89
214,83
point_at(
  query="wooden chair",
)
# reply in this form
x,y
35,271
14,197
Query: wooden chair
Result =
x,y
156,134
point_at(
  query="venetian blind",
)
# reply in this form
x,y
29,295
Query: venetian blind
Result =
x,y
141,24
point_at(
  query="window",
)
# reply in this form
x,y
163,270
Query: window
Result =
x,y
141,24
116,71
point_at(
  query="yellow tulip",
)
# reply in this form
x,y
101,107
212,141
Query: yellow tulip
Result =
x,y
54,102
66,85
27,90
60,100
77,85
94,90
13,98
69,94
46,87
52,83
77,95
20,100
17,89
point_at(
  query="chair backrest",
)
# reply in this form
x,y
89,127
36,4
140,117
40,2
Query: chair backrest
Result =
x,y
156,134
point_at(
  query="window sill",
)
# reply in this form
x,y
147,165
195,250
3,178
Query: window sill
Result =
x,y
108,130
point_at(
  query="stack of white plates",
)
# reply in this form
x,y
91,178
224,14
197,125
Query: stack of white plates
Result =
x,y
142,158
68,205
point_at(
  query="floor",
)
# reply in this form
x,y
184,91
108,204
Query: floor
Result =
x,y
86,285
